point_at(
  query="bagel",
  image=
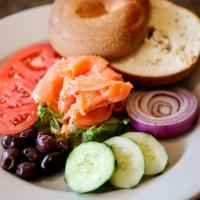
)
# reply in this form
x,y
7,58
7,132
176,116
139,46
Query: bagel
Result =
x,y
170,51
107,28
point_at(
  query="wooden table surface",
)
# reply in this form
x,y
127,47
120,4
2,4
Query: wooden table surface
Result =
x,y
11,6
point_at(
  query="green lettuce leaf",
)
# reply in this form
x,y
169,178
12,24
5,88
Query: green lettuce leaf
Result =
x,y
74,135
48,120
107,130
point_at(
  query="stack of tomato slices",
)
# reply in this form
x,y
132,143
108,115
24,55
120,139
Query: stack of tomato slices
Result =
x,y
18,77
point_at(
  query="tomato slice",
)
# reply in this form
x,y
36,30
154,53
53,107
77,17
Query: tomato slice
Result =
x,y
30,63
18,111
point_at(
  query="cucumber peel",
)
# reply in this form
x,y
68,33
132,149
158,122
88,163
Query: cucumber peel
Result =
x,y
155,155
130,162
89,166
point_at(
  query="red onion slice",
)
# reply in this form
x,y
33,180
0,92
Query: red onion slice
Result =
x,y
163,113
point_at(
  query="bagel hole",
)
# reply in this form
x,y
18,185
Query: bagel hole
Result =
x,y
91,9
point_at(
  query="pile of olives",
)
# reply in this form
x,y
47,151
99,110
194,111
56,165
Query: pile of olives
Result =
x,y
33,154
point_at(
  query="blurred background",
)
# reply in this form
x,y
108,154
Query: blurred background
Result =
x,y
8,7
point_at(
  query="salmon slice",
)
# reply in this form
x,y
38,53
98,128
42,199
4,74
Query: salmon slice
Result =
x,y
86,65
91,82
94,117
84,89
112,74
87,101
66,98
48,89
117,91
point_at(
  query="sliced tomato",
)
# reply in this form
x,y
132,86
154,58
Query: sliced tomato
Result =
x,y
30,63
18,111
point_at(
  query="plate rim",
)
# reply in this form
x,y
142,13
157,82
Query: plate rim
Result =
x,y
46,191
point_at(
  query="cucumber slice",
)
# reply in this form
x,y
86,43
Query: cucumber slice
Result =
x,y
89,166
155,154
130,162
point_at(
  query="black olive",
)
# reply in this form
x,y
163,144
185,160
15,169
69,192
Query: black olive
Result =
x,y
29,136
10,159
10,141
45,144
28,171
53,162
32,154
64,146
41,133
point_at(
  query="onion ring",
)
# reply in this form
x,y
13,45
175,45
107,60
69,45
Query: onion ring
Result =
x,y
163,113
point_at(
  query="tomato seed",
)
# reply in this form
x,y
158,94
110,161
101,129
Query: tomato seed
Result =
x,y
19,119
3,100
11,106
21,90
11,72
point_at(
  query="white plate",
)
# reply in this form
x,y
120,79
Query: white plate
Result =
x,y
180,181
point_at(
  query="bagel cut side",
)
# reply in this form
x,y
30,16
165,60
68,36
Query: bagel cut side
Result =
x,y
107,28
171,49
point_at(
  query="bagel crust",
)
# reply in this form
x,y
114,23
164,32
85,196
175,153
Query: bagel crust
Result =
x,y
171,50
107,28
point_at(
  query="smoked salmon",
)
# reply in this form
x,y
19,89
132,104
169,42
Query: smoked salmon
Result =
x,y
83,89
